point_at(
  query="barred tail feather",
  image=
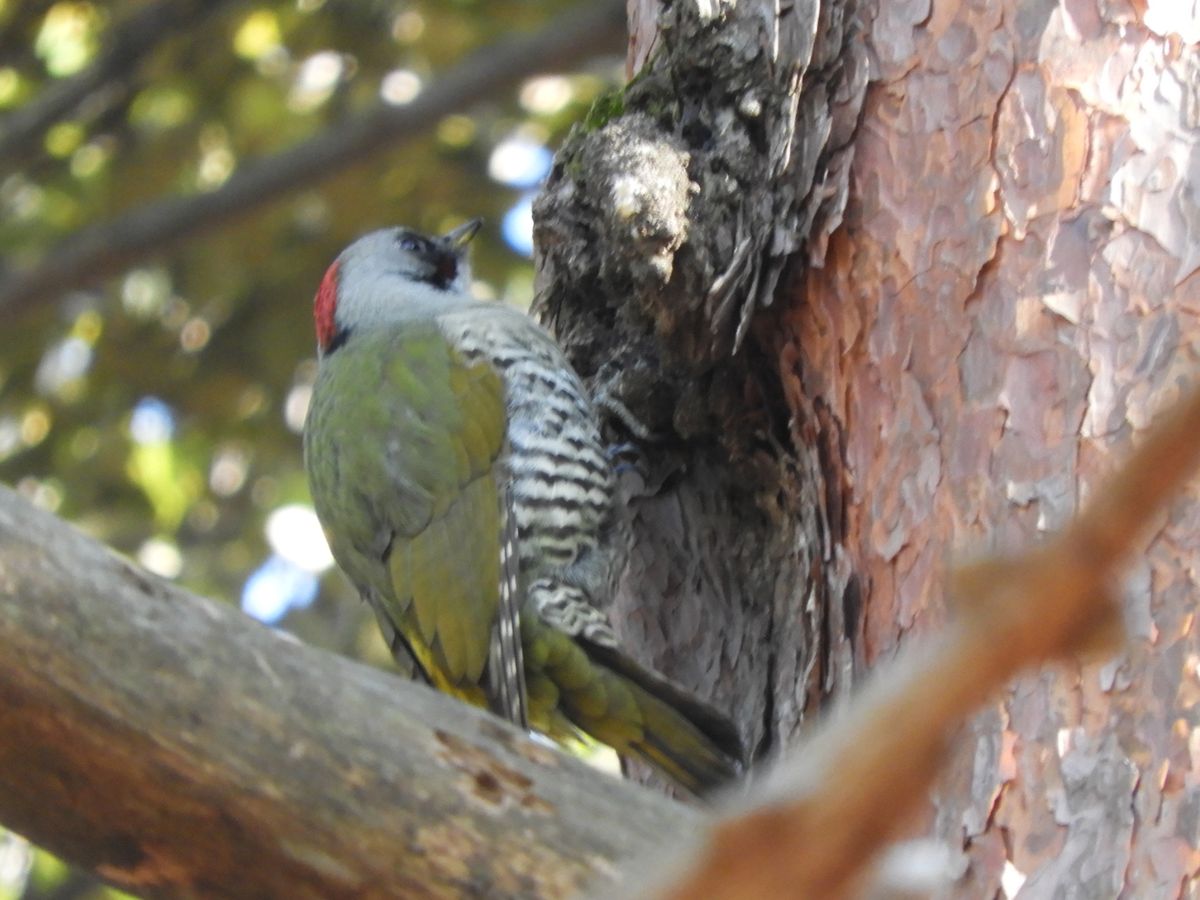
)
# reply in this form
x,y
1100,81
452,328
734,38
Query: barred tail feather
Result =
x,y
674,746
688,740
579,669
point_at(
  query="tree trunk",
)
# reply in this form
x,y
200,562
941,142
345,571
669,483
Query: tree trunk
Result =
x,y
1010,303
1010,298
663,231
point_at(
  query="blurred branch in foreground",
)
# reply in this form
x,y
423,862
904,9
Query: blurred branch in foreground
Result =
x,y
175,747
819,819
110,247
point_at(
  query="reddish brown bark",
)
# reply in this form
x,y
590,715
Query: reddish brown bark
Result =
x,y
1014,295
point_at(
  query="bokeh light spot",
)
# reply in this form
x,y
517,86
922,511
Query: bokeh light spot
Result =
x,y
35,425
400,86
315,80
61,366
456,130
408,27
10,86
152,422
546,94
227,474
144,292
161,557
194,335
295,408
67,38
62,139
258,35
519,162
42,493
276,587
517,226
295,534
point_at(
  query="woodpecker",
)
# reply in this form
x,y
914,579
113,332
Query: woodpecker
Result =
x,y
456,464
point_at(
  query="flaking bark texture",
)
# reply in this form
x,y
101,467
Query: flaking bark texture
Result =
x,y
1015,294
663,232
1012,294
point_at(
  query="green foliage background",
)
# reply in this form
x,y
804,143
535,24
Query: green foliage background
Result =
x,y
220,329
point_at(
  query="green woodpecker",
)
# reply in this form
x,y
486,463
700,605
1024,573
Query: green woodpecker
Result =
x,y
456,464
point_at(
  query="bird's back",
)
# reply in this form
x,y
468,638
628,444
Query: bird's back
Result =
x,y
563,486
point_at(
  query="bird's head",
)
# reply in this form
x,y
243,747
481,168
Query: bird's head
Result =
x,y
387,276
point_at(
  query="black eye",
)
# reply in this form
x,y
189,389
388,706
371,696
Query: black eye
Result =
x,y
411,244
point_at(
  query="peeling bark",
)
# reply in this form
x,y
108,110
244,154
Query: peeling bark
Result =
x,y
1011,294
1014,295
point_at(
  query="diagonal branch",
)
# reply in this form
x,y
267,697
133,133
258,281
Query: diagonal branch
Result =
x,y
109,247
177,748
129,43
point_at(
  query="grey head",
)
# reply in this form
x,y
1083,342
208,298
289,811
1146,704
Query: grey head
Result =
x,y
389,276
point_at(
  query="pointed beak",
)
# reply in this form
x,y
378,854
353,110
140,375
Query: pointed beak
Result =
x,y
463,233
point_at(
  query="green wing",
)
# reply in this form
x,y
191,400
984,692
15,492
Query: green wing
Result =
x,y
403,446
